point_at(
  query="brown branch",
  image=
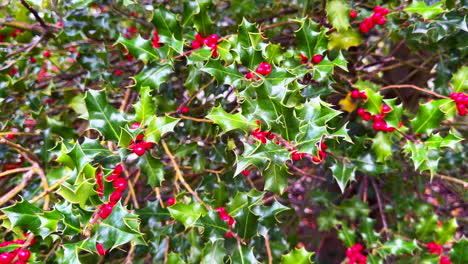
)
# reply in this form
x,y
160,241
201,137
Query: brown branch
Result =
x,y
414,87
13,171
9,195
197,119
379,203
35,14
268,248
50,189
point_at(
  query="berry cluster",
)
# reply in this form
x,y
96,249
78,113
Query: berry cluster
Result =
x,y
139,146
461,100
437,249
315,59
120,183
358,94
264,69
23,255
155,42
100,249
131,31
354,254
378,17
225,217
211,41
379,122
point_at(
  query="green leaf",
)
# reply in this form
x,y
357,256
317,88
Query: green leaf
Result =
x,y
374,102
228,121
201,19
347,235
261,155
458,253
139,48
446,232
398,246
228,75
344,39
437,141
246,223
213,227
277,82
427,12
428,117
145,108
186,214
423,158
343,174
244,255
158,126
297,256
213,252
168,27
152,168
174,258
460,80
311,38
338,14
368,233
119,228
102,116
382,146
23,214
152,75
78,192
276,178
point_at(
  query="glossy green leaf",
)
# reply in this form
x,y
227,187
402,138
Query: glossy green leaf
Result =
x,y
458,253
186,214
228,121
344,39
276,178
343,173
152,75
152,168
460,80
159,126
382,146
398,246
428,117
427,12
297,256
311,38
228,75
145,108
338,14
213,252
23,214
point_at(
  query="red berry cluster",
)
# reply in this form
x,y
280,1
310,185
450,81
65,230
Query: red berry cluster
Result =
x,y
120,183
461,100
437,249
264,69
358,94
225,217
139,146
354,254
379,122
211,41
155,42
378,17
22,254
315,59
100,249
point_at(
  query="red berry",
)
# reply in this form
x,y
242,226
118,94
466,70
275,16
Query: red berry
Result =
x,y
249,75
264,68
171,201
135,125
322,154
361,111
112,177
224,216
184,110
376,17
390,129
213,38
118,72
378,118
303,57
296,156
317,59
363,95
366,116
386,109
24,254
323,146
32,60
245,172
115,196
384,11
316,159
369,23
120,184
228,234
118,169
10,136
377,126
106,211
139,150
6,257
100,249
377,9
46,54
461,108
198,37
20,262
355,94
444,260
353,14
358,247
382,21
196,44
140,137
146,145
231,221
221,210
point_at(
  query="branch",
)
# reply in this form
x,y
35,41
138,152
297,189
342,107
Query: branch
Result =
x,y
36,15
379,203
9,195
416,88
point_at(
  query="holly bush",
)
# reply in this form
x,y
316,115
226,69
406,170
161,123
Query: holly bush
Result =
x,y
233,131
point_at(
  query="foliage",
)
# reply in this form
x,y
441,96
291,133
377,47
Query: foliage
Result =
x,y
232,131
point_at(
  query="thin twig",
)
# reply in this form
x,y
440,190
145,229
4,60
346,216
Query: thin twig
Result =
x,y
12,171
379,203
268,248
36,15
414,87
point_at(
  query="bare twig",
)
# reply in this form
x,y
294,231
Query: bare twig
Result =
x,y
36,15
379,203
414,87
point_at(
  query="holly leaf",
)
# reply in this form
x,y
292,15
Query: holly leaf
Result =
x,y
159,126
382,146
139,48
460,80
228,121
168,27
277,81
368,233
297,256
152,168
213,227
152,75
261,155
311,38
398,246
423,158
119,228
347,235
343,174
201,17
244,255
338,14
276,178
446,232
186,214
246,223
344,39
23,214
427,12
104,118
458,253
213,252
228,75
428,117
374,102
436,141
145,108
